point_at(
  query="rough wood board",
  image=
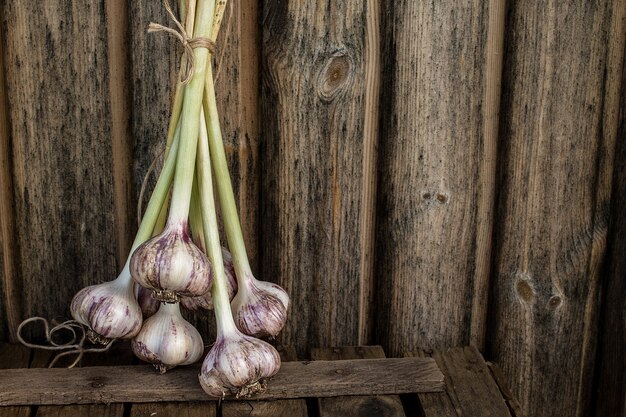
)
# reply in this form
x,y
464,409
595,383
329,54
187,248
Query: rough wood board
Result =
x,y
89,410
312,163
432,179
611,391
140,383
514,406
57,90
14,356
434,404
178,409
555,166
10,284
361,406
280,408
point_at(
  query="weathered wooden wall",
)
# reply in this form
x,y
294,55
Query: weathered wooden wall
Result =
x,y
415,174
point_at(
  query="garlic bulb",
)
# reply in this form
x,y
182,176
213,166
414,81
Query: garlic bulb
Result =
x,y
205,301
171,265
109,310
168,340
238,365
148,304
260,308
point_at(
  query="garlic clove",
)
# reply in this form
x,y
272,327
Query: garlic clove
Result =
x,y
205,301
260,310
148,304
238,365
168,340
171,265
109,310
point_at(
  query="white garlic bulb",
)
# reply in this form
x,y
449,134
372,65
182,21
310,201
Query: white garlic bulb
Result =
x,y
260,308
205,301
168,340
171,265
109,310
238,365
149,305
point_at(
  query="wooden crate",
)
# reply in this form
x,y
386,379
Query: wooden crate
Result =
x,y
109,385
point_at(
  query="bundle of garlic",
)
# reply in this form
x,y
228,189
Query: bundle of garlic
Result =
x,y
180,260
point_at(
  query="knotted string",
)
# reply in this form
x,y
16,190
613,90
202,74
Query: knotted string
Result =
x,y
76,344
189,43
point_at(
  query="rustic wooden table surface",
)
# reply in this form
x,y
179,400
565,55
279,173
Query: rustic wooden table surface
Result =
x,y
473,388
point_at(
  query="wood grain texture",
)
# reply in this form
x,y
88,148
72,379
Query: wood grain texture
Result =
x,y
121,142
178,409
611,387
57,91
108,384
89,410
362,406
10,283
279,408
312,163
514,406
431,184
14,356
470,387
555,166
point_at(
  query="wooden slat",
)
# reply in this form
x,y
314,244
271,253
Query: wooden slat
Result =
x,y
435,404
436,176
470,387
14,356
280,408
178,409
60,133
514,406
312,162
611,391
121,143
10,284
556,165
104,384
362,406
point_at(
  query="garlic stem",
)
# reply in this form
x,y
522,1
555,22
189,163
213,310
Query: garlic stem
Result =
x,y
195,216
234,235
219,292
189,120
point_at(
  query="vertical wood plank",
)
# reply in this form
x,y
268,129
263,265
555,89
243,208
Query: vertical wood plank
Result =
x,y
121,143
312,164
437,132
555,167
57,88
611,387
10,288
154,70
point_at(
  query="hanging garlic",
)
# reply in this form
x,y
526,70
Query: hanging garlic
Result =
x,y
171,265
260,307
168,340
238,365
205,301
149,305
109,310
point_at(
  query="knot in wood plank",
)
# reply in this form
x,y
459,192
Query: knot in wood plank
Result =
x,y
335,76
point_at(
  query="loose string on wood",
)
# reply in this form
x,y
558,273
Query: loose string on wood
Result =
x,y
75,346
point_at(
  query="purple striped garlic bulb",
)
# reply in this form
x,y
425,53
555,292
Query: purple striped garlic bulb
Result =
x,y
205,301
260,308
109,310
171,265
149,305
168,340
238,365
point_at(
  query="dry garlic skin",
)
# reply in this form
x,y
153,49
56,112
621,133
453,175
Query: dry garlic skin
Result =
x,y
171,265
238,365
110,310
